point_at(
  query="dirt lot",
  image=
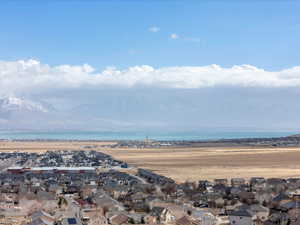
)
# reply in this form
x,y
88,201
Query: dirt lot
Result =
x,y
190,163
36,146
211,163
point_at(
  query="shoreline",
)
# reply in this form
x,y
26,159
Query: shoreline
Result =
x,y
287,141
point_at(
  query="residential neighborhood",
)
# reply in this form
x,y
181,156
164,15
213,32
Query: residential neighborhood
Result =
x,y
149,112
92,188
64,188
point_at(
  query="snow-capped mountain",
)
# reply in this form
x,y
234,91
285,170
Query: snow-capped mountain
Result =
x,y
24,114
14,104
20,113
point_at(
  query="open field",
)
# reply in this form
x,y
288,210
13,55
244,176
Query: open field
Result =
x,y
211,163
41,146
189,163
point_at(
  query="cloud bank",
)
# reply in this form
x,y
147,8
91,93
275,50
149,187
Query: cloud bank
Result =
x,y
32,75
34,95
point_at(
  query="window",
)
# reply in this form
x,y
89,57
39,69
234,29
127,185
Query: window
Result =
x,y
72,221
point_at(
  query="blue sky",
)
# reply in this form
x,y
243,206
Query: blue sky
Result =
x,y
115,33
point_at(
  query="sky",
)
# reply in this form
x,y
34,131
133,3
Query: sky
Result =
x,y
187,56
118,33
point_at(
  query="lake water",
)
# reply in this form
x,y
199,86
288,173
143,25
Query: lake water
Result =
x,y
141,135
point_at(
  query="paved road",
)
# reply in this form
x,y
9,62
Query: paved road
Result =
x,y
139,178
7,163
73,209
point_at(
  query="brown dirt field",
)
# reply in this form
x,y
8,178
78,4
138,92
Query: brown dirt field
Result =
x,y
41,146
189,163
210,163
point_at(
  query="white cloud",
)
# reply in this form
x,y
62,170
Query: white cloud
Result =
x,y
174,36
154,29
31,75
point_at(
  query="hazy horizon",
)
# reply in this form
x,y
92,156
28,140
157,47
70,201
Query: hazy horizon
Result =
x,y
127,65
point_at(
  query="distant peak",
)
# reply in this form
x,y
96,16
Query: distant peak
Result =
x,y
12,103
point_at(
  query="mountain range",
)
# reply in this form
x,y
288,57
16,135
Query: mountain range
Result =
x,y
155,109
